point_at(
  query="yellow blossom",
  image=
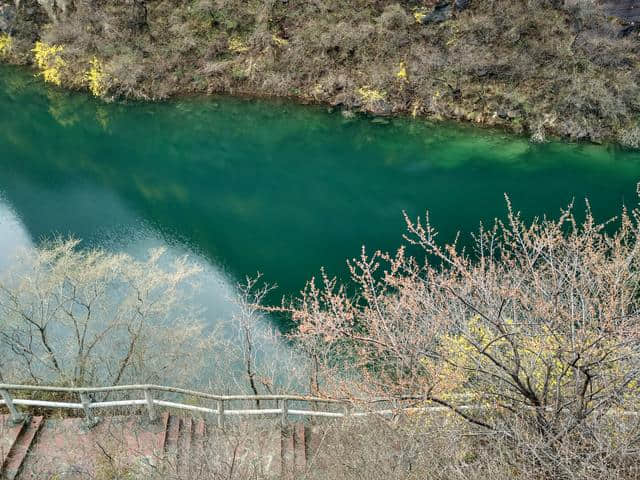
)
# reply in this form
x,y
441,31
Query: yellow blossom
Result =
x,y
281,42
6,43
369,94
401,74
49,61
95,77
236,45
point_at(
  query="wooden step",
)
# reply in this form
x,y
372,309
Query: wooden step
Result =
x,y
200,441
185,441
299,447
8,435
312,442
171,442
21,447
163,434
287,453
200,432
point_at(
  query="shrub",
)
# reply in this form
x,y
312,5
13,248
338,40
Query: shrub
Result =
x,y
237,45
630,137
6,43
96,78
370,94
394,17
49,61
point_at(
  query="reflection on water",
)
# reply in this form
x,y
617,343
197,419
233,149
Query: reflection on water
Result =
x,y
13,235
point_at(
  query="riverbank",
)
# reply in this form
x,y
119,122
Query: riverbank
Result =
x,y
542,68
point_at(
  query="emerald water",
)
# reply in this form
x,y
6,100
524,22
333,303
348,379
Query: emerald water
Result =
x,y
247,185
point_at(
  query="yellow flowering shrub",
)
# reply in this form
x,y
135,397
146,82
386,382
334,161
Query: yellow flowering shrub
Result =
x,y
95,78
419,16
237,45
280,42
415,108
401,74
6,43
49,61
368,94
548,362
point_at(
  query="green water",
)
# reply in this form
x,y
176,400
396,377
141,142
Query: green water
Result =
x,y
267,186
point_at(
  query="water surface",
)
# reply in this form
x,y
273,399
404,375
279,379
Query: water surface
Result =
x,y
267,186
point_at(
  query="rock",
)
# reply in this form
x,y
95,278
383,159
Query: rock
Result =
x,y
340,83
538,134
462,4
7,18
507,114
629,29
379,107
441,12
575,130
627,10
348,114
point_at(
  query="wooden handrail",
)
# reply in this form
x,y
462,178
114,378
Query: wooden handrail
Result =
x,y
87,404
161,388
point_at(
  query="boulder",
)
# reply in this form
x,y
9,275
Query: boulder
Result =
x,y
627,10
442,11
379,107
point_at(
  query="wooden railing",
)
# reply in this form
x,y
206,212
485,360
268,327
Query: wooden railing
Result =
x,y
283,410
150,402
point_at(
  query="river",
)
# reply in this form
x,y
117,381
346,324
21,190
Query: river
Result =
x,y
253,185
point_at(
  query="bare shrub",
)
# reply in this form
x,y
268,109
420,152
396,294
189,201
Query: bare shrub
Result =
x,y
394,17
249,353
630,137
80,317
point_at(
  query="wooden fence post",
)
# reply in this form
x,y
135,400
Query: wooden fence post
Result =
x,y
347,410
220,413
90,419
150,406
16,416
284,414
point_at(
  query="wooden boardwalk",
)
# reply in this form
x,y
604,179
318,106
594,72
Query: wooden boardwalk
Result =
x,y
179,446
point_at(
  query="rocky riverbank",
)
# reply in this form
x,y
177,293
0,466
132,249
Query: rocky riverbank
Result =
x,y
565,68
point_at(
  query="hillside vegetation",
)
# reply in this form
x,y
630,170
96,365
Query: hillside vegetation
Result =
x,y
567,68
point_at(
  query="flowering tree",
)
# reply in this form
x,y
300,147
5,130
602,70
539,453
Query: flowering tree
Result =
x,y
536,325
